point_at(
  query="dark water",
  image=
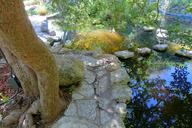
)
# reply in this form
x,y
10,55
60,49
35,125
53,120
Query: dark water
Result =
x,y
161,93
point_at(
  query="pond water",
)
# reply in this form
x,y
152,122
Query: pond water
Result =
x,y
161,92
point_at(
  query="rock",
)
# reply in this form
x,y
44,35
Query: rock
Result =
x,y
86,90
114,124
57,46
160,47
121,92
11,118
52,33
100,101
143,51
87,109
148,29
44,26
109,62
12,82
53,39
161,35
120,76
124,54
73,122
68,36
71,70
184,53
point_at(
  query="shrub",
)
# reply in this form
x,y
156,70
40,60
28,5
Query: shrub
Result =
x,y
99,40
42,10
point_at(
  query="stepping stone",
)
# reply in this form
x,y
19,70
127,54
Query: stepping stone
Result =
x,y
160,47
143,51
184,53
124,54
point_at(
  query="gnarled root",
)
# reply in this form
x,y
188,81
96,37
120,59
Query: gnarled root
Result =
x,y
26,120
12,119
23,118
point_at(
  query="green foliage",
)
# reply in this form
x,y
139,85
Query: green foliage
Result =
x,y
3,98
178,35
189,7
180,31
180,6
121,14
90,14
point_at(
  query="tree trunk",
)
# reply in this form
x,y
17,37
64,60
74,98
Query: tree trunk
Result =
x,y
25,74
18,36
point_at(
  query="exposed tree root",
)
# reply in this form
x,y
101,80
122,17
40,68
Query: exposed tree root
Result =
x,y
27,113
13,111
26,120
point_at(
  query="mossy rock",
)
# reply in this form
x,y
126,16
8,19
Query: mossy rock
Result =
x,y
99,40
71,70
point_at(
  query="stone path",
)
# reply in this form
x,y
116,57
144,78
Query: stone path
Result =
x,y
101,100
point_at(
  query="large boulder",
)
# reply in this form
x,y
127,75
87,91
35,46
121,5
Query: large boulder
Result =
x,y
71,70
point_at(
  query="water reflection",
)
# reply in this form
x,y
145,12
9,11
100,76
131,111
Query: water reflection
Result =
x,y
157,104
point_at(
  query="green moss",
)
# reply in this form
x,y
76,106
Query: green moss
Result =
x,y
99,40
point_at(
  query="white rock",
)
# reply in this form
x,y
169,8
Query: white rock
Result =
x,y
162,33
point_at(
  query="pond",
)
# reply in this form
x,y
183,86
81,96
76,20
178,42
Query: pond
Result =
x,y
161,92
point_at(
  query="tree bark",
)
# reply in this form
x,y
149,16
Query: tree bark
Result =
x,y
18,36
25,74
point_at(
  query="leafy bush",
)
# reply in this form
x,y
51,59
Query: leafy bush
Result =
x,y
91,14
